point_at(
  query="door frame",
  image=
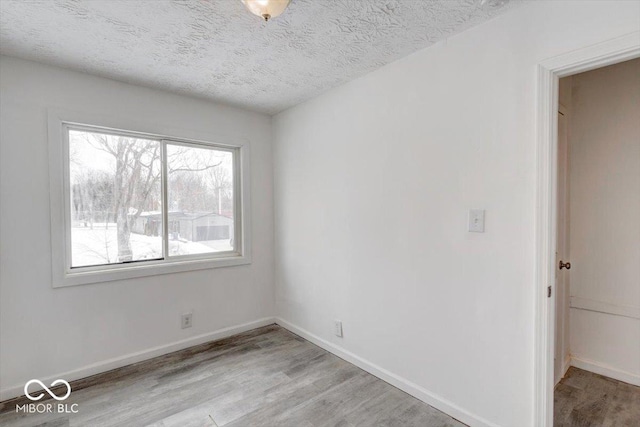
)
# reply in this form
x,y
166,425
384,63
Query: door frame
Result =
x,y
549,72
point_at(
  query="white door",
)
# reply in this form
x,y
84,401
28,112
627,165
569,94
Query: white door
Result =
x,y
562,251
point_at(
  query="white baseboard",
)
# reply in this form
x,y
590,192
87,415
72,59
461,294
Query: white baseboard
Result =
x,y
607,371
403,384
118,362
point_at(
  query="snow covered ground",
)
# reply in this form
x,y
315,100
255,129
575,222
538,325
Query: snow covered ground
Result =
x,y
100,246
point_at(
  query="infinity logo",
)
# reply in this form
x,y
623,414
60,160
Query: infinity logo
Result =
x,y
45,388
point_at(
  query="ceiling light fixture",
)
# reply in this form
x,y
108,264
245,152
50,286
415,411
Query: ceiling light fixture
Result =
x,y
493,3
266,9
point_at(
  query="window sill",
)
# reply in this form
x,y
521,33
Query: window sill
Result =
x,y
76,278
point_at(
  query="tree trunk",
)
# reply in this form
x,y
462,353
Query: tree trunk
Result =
x,y
122,207
124,234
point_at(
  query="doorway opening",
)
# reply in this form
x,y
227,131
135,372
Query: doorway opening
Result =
x,y
597,274
550,72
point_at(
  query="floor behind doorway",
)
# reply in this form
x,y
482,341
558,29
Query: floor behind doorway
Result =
x,y
586,399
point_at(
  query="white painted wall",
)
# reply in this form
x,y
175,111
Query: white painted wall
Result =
x,y
84,329
605,208
373,181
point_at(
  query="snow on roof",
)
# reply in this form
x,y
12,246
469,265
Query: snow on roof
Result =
x,y
178,215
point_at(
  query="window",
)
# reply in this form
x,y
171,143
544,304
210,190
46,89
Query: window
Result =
x,y
116,198
140,204
200,195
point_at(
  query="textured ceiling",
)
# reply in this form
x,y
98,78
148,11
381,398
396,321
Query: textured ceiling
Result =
x,y
217,50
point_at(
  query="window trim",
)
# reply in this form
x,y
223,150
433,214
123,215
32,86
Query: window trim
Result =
x,y
59,122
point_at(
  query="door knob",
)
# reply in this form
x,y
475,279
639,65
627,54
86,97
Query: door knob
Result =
x,y
566,265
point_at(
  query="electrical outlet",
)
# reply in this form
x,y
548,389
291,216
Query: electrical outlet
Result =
x,y
337,328
187,320
476,220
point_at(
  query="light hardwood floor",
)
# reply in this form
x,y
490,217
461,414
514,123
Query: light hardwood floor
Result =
x,y
265,377
585,399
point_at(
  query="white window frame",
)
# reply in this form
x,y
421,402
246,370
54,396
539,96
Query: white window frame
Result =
x,y
60,122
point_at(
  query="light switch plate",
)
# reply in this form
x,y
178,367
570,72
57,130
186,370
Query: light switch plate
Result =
x,y
476,221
